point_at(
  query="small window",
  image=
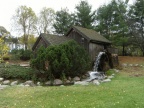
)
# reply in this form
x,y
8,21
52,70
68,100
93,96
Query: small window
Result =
x,y
82,40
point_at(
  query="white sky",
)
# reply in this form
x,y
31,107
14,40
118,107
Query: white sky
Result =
x,y
8,7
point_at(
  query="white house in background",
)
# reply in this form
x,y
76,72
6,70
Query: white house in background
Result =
x,y
12,46
14,43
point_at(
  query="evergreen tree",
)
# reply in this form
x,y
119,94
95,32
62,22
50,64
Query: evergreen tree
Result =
x,y
63,22
136,22
112,22
84,15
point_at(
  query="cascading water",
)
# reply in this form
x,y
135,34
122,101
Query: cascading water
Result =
x,y
95,74
97,61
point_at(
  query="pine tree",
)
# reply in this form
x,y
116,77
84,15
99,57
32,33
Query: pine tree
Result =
x,y
64,20
85,17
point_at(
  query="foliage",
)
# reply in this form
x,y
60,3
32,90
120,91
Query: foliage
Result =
x,y
3,49
67,59
16,72
84,15
112,22
45,20
136,22
6,57
63,22
31,41
21,54
24,21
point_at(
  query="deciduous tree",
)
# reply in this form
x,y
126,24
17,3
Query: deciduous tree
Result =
x,y
45,20
24,21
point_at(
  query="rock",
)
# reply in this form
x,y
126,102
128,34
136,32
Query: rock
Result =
x,y
69,78
130,65
96,82
22,85
24,65
38,83
110,77
58,82
106,80
124,65
76,78
113,74
136,65
116,70
87,74
30,83
3,86
27,85
81,83
14,83
6,82
1,79
67,81
48,83
61,85
84,77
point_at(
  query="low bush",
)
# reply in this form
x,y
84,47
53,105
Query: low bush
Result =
x,y
21,54
25,54
16,72
6,57
69,59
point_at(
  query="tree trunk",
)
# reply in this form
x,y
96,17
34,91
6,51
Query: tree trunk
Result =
x,y
123,52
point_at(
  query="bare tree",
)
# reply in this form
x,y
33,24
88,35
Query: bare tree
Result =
x,y
45,20
25,20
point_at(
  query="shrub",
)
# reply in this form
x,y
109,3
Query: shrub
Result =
x,y
25,54
69,59
16,72
21,54
6,57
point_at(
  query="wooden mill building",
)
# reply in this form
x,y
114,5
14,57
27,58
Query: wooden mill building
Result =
x,y
92,41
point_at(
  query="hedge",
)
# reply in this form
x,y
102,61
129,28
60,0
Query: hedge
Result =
x,y
67,59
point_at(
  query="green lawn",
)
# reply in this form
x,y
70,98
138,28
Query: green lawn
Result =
x,y
123,91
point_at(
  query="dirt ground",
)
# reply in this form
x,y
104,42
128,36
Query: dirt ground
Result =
x,y
133,71
131,60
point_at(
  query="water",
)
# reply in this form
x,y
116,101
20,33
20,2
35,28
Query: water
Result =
x,y
95,74
96,64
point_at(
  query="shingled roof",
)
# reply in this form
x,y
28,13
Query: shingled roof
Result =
x,y
90,34
51,39
54,39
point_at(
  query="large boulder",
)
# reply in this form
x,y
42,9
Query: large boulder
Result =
x,y
81,83
48,83
1,79
76,78
58,82
30,83
96,82
14,83
6,82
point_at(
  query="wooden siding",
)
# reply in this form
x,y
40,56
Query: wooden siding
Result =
x,y
80,39
40,43
94,49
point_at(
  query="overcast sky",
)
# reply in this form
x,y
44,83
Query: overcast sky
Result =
x,y
8,7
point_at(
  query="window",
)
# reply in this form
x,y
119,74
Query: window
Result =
x,y
82,40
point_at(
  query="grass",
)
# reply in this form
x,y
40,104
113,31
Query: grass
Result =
x,y
124,91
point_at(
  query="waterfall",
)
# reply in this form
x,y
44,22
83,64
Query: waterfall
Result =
x,y
97,61
95,74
